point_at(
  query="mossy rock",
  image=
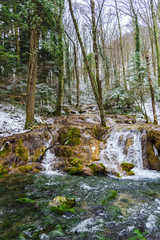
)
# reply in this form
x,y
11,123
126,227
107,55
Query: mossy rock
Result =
x,y
21,151
153,160
75,167
109,196
37,153
3,170
98,131
97,169
5,149
70,136
127,166
61,204
131,173
63,151
25,200
128,143
25,169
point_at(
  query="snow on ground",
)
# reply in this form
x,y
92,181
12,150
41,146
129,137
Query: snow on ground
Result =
x,y
12,120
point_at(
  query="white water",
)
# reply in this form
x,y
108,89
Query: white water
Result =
x,y
49,161
117,151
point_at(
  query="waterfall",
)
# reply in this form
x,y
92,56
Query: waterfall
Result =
x,y
125,146
49,161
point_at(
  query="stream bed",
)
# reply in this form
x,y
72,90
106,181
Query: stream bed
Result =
x,y
106,208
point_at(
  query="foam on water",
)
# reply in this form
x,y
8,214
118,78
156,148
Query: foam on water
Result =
x,y
125,146
89,225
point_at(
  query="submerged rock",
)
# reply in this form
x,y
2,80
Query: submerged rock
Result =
x,y
61,204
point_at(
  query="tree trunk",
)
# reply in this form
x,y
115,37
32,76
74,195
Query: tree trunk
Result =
x,y
16,35
59,104
68,73
153,53
31,85
121,46
90,73
156,41
77,73
151,88
95,49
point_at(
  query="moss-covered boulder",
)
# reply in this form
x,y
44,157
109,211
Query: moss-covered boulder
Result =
x,y
69,136
97,169
17,150
61,204
75,167
127,166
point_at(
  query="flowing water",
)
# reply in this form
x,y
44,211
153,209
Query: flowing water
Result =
x,y
125,145
99,214
136,209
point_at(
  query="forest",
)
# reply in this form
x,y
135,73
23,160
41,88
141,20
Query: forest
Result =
x,y
79,119
55,54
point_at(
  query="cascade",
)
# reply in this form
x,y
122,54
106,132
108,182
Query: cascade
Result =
x,y
49,161
125,145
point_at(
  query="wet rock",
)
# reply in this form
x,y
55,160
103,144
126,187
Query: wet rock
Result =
x,y
128,143
61,204
153,148
127,166
18,150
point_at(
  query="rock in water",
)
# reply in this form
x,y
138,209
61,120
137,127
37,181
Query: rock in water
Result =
x,y
62,202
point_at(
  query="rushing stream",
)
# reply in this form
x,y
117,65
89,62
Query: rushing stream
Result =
x,y
135,211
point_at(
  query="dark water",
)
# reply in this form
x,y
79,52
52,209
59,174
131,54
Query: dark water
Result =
x,y
134,214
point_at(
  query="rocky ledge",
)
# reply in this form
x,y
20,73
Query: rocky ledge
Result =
x,y
76,143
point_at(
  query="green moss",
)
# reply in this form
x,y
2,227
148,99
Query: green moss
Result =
x,y
114,211
63,151
109,195
93,167
70,136
118,175
25,169
21,151
62,204
130,173
97,169
127,166
75,162
3,170
139,235
38,152
25,200
98,131
75,167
